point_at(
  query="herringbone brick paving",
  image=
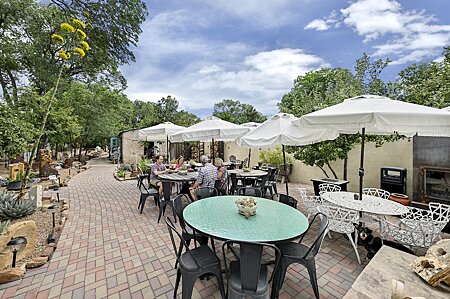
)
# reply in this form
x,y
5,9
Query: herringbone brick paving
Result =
x,y
108,250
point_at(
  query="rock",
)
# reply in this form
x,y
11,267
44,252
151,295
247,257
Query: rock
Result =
x,y
68,163
434,267
37,262
25,229
440,250
11,274
48,252
35,195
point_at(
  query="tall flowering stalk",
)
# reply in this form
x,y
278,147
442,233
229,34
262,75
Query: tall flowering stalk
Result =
x,y
70,43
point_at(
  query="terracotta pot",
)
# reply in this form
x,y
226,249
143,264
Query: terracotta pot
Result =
x,y
400,198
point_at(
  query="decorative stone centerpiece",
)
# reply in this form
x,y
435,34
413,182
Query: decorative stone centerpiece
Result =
x,y
246,207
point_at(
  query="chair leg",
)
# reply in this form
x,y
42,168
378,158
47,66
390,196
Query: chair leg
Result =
x,y
275,188
218,274
177,283
161,208
140,201
354,246
311,267
144,199
174,213
187,285
279,277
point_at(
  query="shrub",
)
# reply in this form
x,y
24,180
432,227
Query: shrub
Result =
x,y
12,208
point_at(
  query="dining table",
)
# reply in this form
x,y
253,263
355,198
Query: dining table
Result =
x,y
248,174
368,204
218,218
176,177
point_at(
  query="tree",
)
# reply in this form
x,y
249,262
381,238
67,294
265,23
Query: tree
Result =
x,y
426,84
237,112
166,109
185,119
325,87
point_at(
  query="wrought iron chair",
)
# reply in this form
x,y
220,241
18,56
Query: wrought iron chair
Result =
x,y
146,191
250,191
369,217
141,176
420,233
234,184
310,202
295,252
204,192
193,263
325,187
341,221
248,279
271,183
286,199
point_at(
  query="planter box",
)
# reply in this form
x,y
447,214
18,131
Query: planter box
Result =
x,y
317,182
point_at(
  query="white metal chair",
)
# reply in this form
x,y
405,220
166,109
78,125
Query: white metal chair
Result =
x,y
310,202
418,233
369,217
437,212
341,221
325,187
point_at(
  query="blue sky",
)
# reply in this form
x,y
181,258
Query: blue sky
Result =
x,y
204,51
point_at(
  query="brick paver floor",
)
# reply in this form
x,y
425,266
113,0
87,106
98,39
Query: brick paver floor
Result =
x,y
107,249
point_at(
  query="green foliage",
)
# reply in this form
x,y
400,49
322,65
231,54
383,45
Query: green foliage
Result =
x,y
326,87
143,164
274,157
3,226
237,112
121,173
426,84
12,208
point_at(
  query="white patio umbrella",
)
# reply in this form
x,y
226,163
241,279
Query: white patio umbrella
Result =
x,y
280,130
373,114
446,108
159,132
252,125
210,128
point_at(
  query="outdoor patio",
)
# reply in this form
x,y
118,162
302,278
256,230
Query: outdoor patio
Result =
x,y
108,249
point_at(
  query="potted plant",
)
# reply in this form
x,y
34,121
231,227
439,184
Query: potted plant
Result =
x,y
16,183
275,158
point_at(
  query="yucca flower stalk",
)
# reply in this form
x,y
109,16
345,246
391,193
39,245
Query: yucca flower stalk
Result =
x,y
70,39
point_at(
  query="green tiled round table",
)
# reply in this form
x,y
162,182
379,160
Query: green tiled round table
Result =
x,y
218,217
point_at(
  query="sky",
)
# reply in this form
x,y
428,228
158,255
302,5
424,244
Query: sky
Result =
x,y
204,51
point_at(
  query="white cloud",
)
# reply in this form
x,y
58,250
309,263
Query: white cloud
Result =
x,y
402,35
317,24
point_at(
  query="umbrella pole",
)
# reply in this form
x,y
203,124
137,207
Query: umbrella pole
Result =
x,y
249,156
285,171
361,163
167,149
212,151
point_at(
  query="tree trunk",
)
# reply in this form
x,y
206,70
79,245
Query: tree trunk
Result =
x,y
323,170
345,167
332,170
79,152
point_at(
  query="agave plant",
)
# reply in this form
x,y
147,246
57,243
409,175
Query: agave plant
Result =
x,y
12,208
3,226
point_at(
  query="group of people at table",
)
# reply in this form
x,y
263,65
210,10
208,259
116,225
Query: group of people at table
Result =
x,y
207,174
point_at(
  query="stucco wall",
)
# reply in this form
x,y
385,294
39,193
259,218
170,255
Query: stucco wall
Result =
x,y
392,154
132,150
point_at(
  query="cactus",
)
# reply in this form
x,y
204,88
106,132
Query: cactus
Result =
x,y
3,226
12,208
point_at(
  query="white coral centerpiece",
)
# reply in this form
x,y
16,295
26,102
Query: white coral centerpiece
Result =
x,y
246,207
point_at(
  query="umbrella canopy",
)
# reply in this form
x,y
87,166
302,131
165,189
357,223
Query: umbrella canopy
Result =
x,y
158,132
210,128
446,108
379,115
373,114
280,130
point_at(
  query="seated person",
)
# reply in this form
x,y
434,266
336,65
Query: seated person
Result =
x,y
222,175
206,175
180,162
157,169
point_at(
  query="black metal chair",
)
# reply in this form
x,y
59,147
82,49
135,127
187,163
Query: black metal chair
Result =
x,y
217,184
193,263
260,183
147,191
204,192
234,184
250,191
141,176
187,233
295,252
247,279
271,183
286,199
166,200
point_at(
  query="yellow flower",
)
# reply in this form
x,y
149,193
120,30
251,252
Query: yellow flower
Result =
x,y
85,45
63,54
81,33
79,51
57,38
67,27
78,23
